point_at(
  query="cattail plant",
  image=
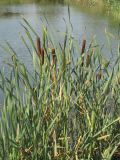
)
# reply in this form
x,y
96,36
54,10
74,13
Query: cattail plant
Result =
x,y
53,72
88,60
42,55
38,46
59,113
53,57
40,51
83,46
83,50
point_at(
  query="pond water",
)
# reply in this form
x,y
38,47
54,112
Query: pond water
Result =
x,y
82,20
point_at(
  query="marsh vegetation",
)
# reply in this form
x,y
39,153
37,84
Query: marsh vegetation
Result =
x,y
65,108
66,105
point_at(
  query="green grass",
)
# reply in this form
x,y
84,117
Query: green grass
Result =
x,y
110,8
66,108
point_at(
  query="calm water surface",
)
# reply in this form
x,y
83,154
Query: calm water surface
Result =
x,y
83,22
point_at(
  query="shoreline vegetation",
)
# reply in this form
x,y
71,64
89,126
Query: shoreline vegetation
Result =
x,y
67,108
110,8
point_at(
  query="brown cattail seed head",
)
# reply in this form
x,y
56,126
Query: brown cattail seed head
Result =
x,y
83,50
83,46
88,59
38,46
53,57
42,55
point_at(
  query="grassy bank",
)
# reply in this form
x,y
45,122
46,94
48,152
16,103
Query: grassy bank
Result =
x,y
110,8
66,108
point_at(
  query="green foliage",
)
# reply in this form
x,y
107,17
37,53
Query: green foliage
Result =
x,y
65,109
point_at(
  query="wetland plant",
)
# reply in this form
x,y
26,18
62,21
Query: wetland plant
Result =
x,y
67,108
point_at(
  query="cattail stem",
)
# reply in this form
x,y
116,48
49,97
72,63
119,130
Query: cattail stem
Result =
x,y
53,72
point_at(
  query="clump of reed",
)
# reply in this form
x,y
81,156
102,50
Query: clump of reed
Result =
x,y
64,109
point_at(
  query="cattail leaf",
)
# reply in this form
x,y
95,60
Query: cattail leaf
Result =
x,y
31,28
108,83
